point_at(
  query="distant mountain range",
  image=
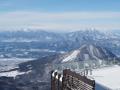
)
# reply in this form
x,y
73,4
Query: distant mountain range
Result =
x,y
60,41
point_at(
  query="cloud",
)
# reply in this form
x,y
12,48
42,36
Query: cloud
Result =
x,y
59,20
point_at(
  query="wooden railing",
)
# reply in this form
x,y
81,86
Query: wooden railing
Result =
x,y
70,80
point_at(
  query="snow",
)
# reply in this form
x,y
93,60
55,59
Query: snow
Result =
x,y
49,38
108,77
100,61
42,50
7,64
91,51
86,56
16,59
29,66
72,56
98,53
62,52
20,40
13,73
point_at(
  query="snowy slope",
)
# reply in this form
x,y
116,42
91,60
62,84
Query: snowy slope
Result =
x,y
89,52
11,73
72,56
108,77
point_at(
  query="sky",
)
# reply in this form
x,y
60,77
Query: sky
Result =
x,y
60,15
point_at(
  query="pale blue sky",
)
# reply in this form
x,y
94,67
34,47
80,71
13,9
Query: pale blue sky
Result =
x,y
60,14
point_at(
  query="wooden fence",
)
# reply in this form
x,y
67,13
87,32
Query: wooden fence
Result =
x,y
70,81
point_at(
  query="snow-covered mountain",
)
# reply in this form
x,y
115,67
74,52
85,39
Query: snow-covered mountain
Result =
x,y
33,39
89,52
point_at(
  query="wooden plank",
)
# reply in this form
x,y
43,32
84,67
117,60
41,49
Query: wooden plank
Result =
x,y
82,78
85,83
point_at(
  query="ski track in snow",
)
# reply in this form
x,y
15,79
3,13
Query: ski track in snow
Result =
x,y
71,57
